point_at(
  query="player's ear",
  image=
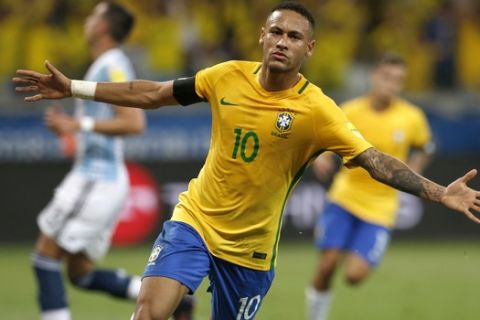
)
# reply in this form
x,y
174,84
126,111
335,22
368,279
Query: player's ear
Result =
x,y
262,34
310,47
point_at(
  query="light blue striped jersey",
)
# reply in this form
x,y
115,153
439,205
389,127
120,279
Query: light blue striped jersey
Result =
x,y
100,156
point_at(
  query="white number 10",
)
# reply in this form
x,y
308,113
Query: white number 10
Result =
x,y
246,304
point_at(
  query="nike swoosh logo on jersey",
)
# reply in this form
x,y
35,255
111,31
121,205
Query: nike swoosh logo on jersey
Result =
x,y
227,103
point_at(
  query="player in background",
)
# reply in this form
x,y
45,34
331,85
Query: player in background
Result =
x,y
268,124
356,223
76,225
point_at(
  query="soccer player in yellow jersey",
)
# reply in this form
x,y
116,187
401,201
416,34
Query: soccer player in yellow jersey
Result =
x,y
268,123
357,220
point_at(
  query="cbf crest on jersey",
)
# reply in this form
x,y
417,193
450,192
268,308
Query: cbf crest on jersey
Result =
x,y
284,121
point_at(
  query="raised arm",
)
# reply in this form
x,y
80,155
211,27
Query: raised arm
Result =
x,y
391,171
137,94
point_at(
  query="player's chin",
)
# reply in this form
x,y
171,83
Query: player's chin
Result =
x,y
278,66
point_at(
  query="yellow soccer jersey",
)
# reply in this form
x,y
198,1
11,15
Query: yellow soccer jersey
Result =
x,y
261,143
394,131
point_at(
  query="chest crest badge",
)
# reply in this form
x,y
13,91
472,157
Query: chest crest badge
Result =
x,y
284,122
398,136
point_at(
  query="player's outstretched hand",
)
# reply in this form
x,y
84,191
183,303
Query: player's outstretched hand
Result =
x,y
43,86
458,196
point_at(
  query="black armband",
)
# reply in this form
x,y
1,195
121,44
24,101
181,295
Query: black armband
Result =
x,y
184,91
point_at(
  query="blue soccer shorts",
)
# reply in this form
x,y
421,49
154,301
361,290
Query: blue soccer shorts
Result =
x,y
339,229
179,253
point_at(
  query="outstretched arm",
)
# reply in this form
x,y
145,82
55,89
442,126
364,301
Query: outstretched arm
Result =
x,y
137,94
391,171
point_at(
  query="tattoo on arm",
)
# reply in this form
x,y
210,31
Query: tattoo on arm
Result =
x,y
398,175
130,86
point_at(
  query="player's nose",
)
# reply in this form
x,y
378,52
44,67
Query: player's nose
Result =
x,y
283,42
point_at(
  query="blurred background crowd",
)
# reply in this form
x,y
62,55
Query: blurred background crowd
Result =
x,y
440,39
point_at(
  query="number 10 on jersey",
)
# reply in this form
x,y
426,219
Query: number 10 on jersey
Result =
x,y
241,141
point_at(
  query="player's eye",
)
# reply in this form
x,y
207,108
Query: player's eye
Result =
x,y
294,36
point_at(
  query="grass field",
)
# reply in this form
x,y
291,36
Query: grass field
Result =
x,y
422,280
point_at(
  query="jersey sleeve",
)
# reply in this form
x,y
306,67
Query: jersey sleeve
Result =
x,y
334,132
205,79
421,131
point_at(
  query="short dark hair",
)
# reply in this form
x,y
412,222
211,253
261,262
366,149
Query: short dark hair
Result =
x,y
298,8
391,58
120,21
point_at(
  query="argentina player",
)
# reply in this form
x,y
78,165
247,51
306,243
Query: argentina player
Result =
x,y
76,225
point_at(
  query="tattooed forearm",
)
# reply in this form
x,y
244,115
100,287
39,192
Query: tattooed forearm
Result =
x,y
130,86
398,175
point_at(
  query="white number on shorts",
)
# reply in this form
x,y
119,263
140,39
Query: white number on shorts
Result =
x,y
246,304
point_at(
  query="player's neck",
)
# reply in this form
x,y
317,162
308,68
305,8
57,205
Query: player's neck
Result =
x,y
379,103
276,81
101,46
